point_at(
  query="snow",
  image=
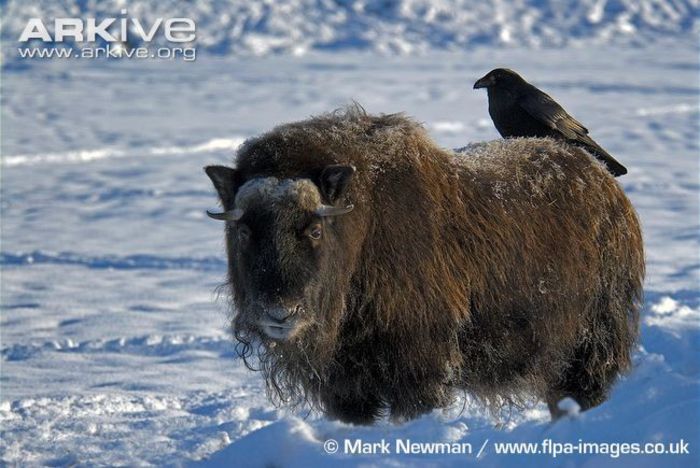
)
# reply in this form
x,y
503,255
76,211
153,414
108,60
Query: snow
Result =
x,y
570,407
114,341
213,145
398,27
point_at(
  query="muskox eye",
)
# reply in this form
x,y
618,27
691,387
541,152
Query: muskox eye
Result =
x,y
243,234
315,232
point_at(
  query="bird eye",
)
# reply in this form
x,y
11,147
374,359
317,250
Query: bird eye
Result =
x,y
315,232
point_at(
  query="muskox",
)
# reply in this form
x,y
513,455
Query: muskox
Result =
x,y
374,273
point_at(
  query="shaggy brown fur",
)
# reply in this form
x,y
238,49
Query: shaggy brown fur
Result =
x,y
512,270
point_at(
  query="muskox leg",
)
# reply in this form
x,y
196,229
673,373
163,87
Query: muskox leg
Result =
x,y
356,409
586,398
422,398
603,352
593,369
587,392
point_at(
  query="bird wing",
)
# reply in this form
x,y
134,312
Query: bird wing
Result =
x,y
545,109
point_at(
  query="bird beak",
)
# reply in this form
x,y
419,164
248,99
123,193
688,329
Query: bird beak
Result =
x,y
484,82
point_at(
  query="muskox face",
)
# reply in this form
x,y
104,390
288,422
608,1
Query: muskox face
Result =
x,y
281,242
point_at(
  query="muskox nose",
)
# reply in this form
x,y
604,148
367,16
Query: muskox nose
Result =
x,y
282,313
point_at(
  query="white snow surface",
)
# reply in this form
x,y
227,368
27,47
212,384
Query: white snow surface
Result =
x,y
115,348
254,27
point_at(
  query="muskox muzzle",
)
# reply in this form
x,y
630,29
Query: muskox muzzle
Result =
x,y
279,322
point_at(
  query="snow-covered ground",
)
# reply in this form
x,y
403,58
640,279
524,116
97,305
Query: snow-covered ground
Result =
x,y
254,27
114,346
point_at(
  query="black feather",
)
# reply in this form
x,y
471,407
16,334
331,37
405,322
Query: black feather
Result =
x,y
519,109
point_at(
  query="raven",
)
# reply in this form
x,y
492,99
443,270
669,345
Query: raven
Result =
x,y
518,109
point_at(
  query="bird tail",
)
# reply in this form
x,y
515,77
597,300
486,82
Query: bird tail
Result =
x,y
611,163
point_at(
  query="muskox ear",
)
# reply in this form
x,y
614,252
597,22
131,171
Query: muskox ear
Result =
x,y
335,180
226,181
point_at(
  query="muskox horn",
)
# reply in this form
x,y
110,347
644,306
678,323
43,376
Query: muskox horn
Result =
x,y
230,215
327,210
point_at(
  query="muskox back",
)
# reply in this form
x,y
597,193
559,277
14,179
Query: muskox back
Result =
x,y
510,269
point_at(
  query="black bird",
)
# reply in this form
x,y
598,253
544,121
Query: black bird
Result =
x,y
518,109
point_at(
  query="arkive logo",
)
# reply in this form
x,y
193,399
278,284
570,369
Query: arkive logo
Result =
x,y
118,37
177,30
